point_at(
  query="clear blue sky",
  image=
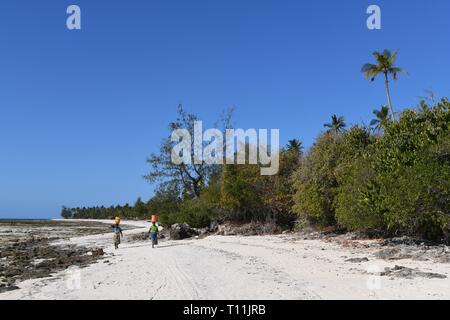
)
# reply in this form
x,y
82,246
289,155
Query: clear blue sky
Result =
x,y
81,110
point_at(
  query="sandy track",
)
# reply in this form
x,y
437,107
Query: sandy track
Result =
x,y
262,267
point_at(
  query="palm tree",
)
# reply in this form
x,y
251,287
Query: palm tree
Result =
x,y
385,65
336,125
382,118
295,145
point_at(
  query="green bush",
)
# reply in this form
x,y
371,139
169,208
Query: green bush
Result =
x,y
401,182
357,201
166,204
195,212
417,197
315,181
240,195
411,163
322,171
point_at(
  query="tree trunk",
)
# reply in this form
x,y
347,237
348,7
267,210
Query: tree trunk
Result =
x,y
196,188
389,95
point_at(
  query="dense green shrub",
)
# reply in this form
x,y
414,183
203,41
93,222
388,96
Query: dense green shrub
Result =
x,y
166,204
416,198
240,197
400,182
195,212
315,180
412,172
200,212
357,201
248,196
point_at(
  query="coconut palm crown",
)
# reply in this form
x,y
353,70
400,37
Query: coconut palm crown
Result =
x,y
382,118
336,125
385,65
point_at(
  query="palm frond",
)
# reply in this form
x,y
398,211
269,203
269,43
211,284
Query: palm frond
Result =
x,y
370,71
368,67
392,57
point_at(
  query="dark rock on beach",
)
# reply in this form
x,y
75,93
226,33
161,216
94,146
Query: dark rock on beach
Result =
x,y
404,272
97,252
440,253
37,258
27,249
357,260
181,231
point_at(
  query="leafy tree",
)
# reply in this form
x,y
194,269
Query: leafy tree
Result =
x,y
240,196
188,178
400,182
412,171
280,193
66,213
417,198
315,181
247,196
355,204
140,209
166,204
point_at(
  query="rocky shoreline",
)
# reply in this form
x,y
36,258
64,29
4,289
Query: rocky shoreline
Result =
x,y
28,250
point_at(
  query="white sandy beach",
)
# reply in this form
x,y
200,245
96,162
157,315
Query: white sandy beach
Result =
x,y
218,267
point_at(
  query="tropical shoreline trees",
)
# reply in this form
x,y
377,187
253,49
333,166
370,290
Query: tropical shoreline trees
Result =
x,y
392,177
395,181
